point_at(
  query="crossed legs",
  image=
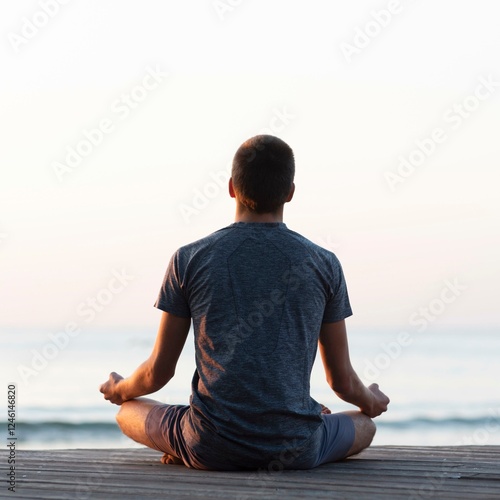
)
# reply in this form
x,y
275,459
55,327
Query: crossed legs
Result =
x,y
133,414
364,429
132,422
132,419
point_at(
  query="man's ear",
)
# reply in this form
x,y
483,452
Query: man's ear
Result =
x,y
231,188
290,195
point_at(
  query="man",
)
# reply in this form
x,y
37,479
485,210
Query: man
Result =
x,y
261,298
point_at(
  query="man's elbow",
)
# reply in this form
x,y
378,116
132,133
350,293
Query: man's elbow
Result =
x,y
343,388
344,392
159,377
162,379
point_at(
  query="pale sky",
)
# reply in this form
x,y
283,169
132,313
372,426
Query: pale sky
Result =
x,y
120,118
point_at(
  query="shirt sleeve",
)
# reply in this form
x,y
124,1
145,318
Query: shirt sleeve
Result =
x,y
338,306
172,297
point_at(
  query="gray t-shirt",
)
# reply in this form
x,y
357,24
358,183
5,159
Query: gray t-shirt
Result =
x,y
257,294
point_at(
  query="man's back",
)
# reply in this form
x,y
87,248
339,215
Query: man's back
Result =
x,y
261,299
257,293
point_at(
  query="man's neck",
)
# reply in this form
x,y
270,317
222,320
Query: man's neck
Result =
x,y
243,215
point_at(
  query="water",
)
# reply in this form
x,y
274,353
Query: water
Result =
x,y
443,385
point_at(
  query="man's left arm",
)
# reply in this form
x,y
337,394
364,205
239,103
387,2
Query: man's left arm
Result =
x,y
158,369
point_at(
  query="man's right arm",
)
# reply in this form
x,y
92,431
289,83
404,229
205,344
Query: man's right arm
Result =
x,y
340,374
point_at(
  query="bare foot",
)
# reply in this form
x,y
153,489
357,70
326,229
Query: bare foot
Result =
x,y
325,410
171,460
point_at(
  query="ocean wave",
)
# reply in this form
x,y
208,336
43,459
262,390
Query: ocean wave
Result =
x,y
455,421
67,426
419,431
50,431
111,427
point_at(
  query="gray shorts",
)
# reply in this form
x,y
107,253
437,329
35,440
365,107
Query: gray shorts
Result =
x,y
338,437
164,430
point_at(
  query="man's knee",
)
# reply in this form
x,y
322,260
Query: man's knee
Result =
x,y
131,418
366,428
121,415
364,431
371,429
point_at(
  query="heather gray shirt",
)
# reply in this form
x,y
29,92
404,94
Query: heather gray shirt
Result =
x,y
257,294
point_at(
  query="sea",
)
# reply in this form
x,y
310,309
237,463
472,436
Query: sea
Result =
x,y
444,384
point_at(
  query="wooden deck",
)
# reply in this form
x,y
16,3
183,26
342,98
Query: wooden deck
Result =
x,y
468,472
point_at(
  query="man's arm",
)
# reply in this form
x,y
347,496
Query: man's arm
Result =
x,y
158,369
340,374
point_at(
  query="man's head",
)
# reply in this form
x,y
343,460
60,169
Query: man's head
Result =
x,y
262,174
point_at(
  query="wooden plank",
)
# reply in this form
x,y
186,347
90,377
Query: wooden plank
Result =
x,y
378,473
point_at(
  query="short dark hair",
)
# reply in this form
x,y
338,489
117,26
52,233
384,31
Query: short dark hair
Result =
x,y
263,172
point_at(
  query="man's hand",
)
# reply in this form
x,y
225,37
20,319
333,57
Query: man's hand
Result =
x,y
110,389
325,410
379,402
341,376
